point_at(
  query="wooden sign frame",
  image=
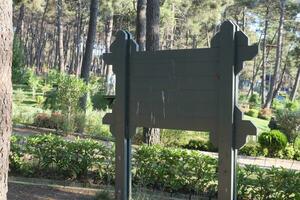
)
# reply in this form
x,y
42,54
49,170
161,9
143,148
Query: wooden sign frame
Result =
x,y
190,89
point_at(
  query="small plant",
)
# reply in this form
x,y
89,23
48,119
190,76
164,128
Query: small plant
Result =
x,y
265,114
39,100
19,96
254,101
274,141
252,113
289,123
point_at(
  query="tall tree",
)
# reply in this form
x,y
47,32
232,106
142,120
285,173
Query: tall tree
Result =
x,y
152,135
152,32
295,86
278,55
264,56
19,26
6,42
60,35
88,55
141,24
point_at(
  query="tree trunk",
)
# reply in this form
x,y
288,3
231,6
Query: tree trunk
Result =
x,y
278,56
108,34
60,36
78,37
19,26
6,42
88,55
153,15
152,135
141,24
264,59
295,86
40,42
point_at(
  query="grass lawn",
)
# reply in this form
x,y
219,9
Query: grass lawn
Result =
x,y
261,124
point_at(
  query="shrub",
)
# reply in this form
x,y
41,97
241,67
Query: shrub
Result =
x,y
19,96
33,81
250,150
201,145
252,113
292,105
289,123
18,61
254,101
54,121
274,141
265,114
168,169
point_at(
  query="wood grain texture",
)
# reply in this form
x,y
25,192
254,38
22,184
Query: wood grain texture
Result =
x,y
6,40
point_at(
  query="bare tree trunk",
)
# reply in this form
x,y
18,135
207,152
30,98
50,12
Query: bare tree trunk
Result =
x,y
152,135
40,42
141,24
60,35
153,15
19,26
78,37
108,34
278,56
88,56
6,42
264,59
295,86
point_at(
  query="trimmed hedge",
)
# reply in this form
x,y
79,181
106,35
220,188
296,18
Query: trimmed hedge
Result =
x,y
168,169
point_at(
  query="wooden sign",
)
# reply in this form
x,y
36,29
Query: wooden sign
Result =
x,y
190,89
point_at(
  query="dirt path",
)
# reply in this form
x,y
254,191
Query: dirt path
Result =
x,y
21,191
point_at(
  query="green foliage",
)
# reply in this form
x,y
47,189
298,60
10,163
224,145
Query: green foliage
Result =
x,y
251,150
259,183
39,100
70,159
254,101
289,123
201,145
19,96
24,114
174,169
18,62
168,169
65,97
265,114
274,141
32,80
292,105
252,113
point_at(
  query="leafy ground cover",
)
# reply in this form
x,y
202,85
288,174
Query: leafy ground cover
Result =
x,y
172,170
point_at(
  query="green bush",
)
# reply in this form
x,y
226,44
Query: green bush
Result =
x,y
254,101
274,183
252,113
292,105
175,170
274,141
201,145
18,61
19,96
168,169
251,150
289,123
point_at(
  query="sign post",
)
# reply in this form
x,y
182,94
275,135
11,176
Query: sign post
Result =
x,y
190,89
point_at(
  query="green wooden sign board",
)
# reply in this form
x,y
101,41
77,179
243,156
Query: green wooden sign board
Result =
x,y
190,89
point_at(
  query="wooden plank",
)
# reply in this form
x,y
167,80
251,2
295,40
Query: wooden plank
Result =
x,y
173,69
200,55
196,84
225,130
